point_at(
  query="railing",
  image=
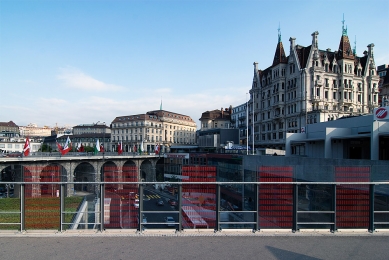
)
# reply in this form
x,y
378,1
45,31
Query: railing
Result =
x,y
258,205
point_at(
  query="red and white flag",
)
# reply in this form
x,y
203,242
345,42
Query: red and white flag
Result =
x,y
120,148
26,149
67,147
157,148
80,147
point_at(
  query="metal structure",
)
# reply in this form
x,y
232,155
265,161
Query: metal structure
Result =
x,y
320,205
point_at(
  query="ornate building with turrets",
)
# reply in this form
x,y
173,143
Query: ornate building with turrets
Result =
x,y
309,86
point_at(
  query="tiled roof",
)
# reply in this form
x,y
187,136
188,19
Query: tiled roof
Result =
x,y
152,115
303,54
216,114
279,55
345,51
9,124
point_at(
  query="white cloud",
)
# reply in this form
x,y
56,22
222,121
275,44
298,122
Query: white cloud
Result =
x,y
74,78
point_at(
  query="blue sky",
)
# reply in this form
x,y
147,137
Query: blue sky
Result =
x,y
79,62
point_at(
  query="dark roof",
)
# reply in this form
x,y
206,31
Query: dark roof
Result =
x,y
91,126
345,51
303,54
279,55
85,135
217,114
152,115
9,124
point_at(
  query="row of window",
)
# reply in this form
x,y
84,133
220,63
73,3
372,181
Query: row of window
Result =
x,y
157,139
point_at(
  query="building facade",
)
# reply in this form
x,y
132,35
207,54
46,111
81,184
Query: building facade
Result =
x,y
239,121
310,85
91,129
216,130
157,127
16,145
34,130
358,137
9,129
383,72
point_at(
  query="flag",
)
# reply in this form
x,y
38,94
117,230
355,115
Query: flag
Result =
x,y
135,149
101,148
157,147
67,147
120,148
26,149
59,147
80,147
141,148
97,146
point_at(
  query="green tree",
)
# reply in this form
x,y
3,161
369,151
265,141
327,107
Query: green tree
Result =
x,y
45,148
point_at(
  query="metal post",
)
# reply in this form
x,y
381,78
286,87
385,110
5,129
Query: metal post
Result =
x,y
62,205
22,207
256,201
247,126
295,207
140,210
101,207
252,151
179,207
371,208
217,208
333,218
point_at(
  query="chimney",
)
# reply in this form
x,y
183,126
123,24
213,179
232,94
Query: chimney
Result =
x,y
222,112
314,39
370,49
292,43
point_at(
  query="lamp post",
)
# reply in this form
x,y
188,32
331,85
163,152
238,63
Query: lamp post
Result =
x,y
104,141
253,93
247,126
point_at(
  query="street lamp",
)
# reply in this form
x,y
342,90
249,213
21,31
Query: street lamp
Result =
x,y
247,126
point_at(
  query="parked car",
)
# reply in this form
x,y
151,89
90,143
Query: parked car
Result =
x,y
172,202
160,202
14,155
170,221
136,203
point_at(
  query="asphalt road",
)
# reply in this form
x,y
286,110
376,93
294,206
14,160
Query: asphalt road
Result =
x,y
228,247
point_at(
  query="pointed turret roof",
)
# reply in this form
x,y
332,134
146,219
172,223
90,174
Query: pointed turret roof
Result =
x,y
345,51
279,56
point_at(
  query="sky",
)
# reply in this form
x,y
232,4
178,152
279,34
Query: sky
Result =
x,y
67,63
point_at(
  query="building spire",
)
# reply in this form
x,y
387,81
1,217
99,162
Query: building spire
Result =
x,y
160,107
279,32
355,46
344,31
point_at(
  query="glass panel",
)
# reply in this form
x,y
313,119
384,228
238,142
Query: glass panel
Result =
x,y
381,203
42,202
314,197
275,200
352,201
81,211
121,202
314,217
9,206
199,200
